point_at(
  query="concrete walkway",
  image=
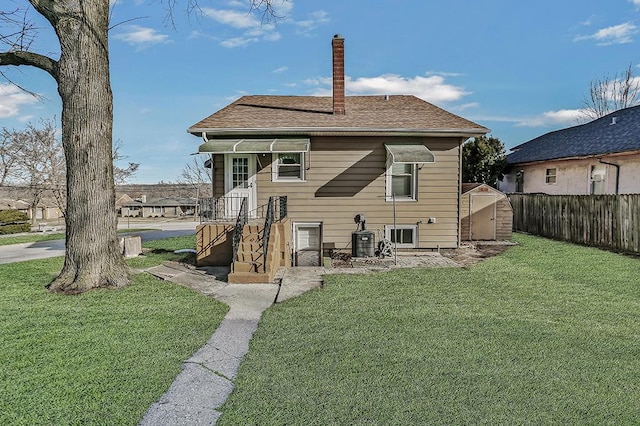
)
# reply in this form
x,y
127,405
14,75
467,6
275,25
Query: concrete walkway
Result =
x,y
206,379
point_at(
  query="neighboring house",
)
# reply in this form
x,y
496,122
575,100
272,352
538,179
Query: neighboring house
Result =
x,y
599,157
19,205
161,207
394,159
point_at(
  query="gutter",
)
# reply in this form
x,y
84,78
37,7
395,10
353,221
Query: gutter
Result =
x,y
617,166
336,131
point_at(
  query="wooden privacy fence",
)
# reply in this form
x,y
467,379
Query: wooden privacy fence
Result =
x,y
608,221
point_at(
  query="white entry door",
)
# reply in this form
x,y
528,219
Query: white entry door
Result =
x,y
240,182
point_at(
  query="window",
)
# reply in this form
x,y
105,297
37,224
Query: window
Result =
x,y
288,166
403,235
550,176
520,181
598,174
401,181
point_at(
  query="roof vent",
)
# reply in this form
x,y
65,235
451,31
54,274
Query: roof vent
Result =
x,y
614,120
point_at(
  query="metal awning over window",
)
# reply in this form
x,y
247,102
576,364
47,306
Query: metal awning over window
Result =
x,y
410,154
254,146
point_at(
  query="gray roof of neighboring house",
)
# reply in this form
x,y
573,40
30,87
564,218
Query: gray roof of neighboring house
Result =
x,y
598,137
314,114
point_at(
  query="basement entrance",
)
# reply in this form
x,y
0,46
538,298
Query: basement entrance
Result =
x,y
307,240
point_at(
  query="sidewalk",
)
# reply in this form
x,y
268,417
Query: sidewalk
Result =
x,y
206,379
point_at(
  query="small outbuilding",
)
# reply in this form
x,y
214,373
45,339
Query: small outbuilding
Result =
x,y
485,214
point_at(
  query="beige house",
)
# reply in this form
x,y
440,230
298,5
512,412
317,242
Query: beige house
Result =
x,y
155,208
599,157
394,160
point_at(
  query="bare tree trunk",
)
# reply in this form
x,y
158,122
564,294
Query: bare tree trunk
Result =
x,y
93,257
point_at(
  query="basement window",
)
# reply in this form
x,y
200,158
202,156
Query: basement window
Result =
x,y
404,236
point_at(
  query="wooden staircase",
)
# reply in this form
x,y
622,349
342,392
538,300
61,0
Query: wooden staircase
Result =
x,y
250,265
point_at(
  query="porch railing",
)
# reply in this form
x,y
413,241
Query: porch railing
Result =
x,y
241,221
227,208
276,211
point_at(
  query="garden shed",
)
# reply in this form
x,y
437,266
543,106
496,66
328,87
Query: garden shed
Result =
x,y
485,214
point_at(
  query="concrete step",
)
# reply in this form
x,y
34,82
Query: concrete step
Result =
x,y
250,246
250,256
244,267
251,237
249,278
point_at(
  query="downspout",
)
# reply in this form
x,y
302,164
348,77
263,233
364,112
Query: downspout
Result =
x,y
617,166
462,141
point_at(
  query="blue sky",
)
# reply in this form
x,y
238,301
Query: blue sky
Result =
x,y
519,68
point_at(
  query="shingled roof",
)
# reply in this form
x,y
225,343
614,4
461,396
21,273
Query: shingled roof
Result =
x,y
614,133
313,115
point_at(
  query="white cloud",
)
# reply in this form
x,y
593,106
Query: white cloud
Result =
x,y
280,70
238,42
636,2
553,118
12,98
314,20
467,106
233,18
252,27
141,37
432,88
616,34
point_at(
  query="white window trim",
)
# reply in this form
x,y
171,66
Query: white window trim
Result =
x,y
274,168
414,183
413,228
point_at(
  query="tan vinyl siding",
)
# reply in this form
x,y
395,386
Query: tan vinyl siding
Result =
x,y
504,220
345,177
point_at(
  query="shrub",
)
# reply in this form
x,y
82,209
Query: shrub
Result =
x,y
14,221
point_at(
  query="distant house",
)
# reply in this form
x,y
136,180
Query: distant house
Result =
x,y
159,207
599,157
10,204
45,210
394,160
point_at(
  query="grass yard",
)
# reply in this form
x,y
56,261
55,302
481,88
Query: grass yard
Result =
x,y
6,240
100,358
546,333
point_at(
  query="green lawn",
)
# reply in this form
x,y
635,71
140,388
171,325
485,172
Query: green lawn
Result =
x,y
6,240
547,333
100,358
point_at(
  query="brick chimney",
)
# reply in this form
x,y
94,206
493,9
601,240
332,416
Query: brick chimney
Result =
x,y
337,45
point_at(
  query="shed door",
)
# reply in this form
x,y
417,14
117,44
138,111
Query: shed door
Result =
x,y
307,239
483,217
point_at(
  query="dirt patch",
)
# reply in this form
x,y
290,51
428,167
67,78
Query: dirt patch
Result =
x,y
474,253
467,255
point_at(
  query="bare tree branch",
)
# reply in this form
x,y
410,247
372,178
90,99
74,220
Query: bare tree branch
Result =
x,y
31,59
608,94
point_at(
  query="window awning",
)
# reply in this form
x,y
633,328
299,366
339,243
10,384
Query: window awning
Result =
x,y
254,146
410,154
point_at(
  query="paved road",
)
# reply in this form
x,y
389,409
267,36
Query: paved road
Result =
x,y
44,249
